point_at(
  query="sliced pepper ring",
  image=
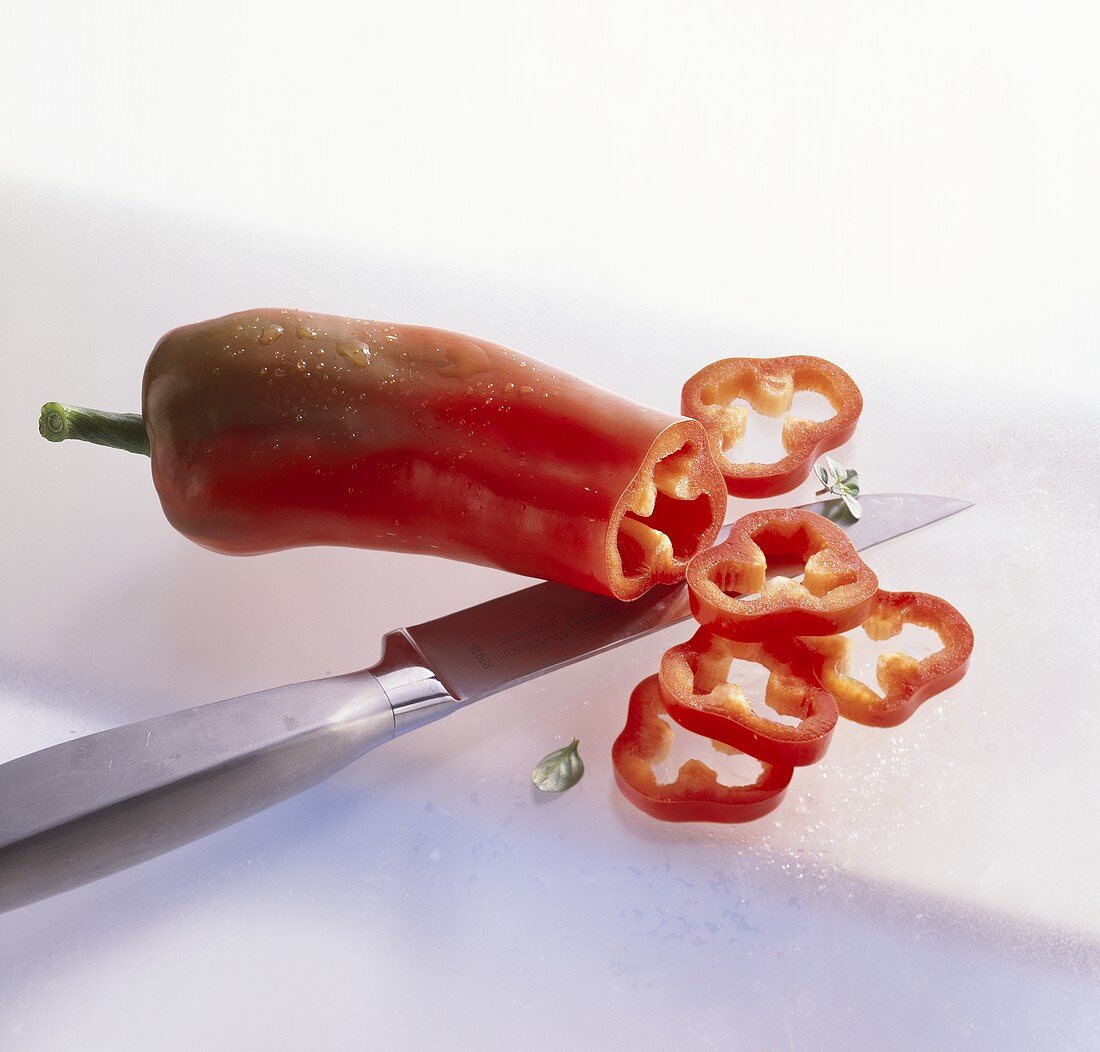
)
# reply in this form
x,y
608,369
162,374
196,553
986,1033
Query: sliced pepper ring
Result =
x,y
768,385
904,681
696,795
835,593
698,694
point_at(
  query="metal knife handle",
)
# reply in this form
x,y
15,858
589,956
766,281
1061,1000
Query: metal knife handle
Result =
x,y
94,805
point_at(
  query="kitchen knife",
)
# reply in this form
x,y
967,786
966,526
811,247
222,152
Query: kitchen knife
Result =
x,y
94,805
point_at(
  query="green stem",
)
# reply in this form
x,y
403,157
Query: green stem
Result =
x,y
121,430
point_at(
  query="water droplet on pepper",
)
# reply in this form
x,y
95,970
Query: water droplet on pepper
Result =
x,y
354,352
464,360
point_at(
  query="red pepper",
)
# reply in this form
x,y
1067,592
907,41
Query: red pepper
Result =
x,y
698,693
904,681
696,795
729,590
768,384
273,429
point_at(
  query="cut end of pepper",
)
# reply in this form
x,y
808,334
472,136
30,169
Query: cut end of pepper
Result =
x,y
672,510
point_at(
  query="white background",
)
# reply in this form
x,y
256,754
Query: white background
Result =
x,y
628,191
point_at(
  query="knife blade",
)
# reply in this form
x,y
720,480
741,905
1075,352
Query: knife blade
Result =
x,y
91,806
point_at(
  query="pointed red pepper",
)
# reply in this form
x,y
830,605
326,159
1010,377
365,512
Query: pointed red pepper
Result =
x,y
903,682
274,429
696,795
768,384
699,693
729,589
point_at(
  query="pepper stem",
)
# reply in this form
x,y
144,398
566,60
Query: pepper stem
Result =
x,y
121,430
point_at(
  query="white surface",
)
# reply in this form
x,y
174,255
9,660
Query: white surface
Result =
x,y
908,191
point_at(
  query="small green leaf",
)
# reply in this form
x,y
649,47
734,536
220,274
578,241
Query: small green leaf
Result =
x,y
841,482
849,485
559,770
852,505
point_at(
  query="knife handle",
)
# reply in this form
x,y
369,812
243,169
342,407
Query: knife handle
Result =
x,y
89,807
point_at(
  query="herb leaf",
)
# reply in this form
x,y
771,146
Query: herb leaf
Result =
x,y
841,482
559,770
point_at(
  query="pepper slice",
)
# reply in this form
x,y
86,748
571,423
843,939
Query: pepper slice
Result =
x,y
729,589
696,795
769,384
274,429
904,681
697,692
